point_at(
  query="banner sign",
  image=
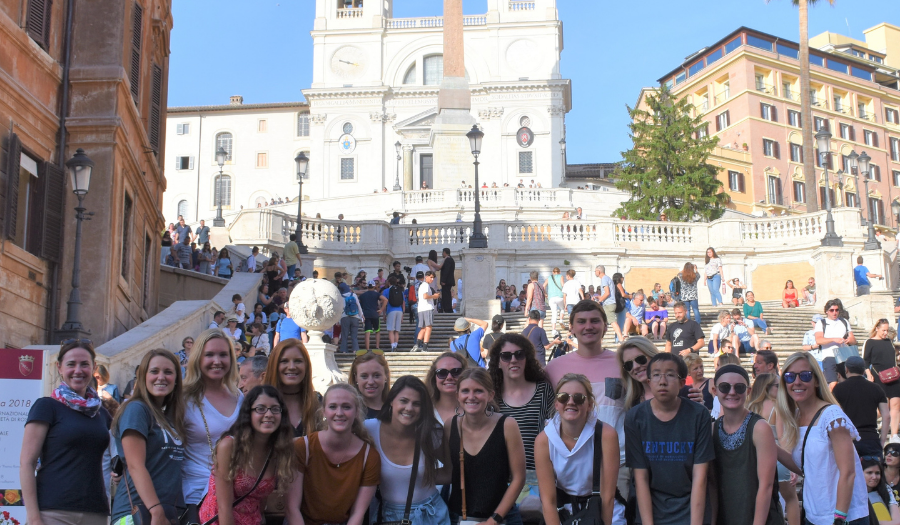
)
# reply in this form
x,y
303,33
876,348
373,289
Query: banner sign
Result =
x,y
21,384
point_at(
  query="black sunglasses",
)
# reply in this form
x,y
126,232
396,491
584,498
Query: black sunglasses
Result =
x,y
739,388
506,357
805,376
442,373
641,360
578,399
892,452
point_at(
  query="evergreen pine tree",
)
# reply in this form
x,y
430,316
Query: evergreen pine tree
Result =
x,y
666,170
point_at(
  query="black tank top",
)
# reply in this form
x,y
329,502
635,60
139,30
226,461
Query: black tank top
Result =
x,y
487,473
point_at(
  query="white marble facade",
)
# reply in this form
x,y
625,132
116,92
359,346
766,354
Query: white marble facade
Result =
x,y
375,83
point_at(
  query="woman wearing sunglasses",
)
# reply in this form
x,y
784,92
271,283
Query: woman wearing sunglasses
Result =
x,y
442,380
883,506
817,438
524,392
564,454
892,468
371,375
746,491
634,354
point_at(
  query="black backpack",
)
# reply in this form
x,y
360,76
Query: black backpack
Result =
x,y
395,296
675,286
620,299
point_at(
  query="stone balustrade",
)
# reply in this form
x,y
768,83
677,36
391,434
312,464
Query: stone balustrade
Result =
x,y
433,21
350,12
517,5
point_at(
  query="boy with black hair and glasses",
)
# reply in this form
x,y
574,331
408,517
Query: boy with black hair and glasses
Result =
x,y
668,445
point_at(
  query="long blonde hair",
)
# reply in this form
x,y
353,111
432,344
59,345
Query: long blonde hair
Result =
x,y
787,409
171,416
194,388
358,428
634,390
759,394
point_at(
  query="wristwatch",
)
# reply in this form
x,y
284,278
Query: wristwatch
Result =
x,y
840,521
499,519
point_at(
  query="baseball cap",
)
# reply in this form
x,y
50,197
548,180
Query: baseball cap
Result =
x,y
855,363
420,275
418,258
818,317
343,288
372,284
498,319
461,325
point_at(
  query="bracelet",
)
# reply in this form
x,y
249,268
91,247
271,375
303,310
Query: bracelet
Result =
x,y
839,514
151,507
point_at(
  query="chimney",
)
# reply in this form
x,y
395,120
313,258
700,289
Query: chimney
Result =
x,y
237,100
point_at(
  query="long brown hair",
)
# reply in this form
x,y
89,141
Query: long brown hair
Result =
x,y
430,379
483,378
714,256
193,376
532,370
309,401
427,429
365,358
281,442
171,416
687,273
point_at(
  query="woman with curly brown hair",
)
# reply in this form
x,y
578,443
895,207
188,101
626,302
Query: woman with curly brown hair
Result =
x,y
253,458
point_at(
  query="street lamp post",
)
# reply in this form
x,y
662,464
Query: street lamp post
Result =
x,y
823,142
851,165
895,208
397,186
302,162
221,155
871,242
478,238
562,154
80,167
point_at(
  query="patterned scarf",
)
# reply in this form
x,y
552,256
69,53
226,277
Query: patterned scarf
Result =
x,y
88,405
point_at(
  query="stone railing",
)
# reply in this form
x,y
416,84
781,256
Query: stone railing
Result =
x,y
517,5
791,227
350,12
490,197
432,21
558,232
655,233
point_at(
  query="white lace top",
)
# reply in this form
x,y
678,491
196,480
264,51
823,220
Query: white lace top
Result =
x,y
821,471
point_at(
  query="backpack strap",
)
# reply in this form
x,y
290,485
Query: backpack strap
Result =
x,y
598,458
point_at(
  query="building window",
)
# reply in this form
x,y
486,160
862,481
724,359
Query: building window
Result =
x,y
262,126
348,171
183,129
813,97
223,182
891,116
526,162
838,103
722,121
434,70
137,28
303,125
877,207
830,197
262,160
703,131
796,153
896,177
799,191
895,149
845,165
794,118
820,123
410,77
770,148
768,112
37,21
869,137
348,128
846,132
184,163
126,233
774,188
861,108
224,141
787,91
736,181
760,82
851,199
183,208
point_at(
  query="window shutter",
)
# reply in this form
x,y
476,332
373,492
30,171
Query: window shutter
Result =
x,y
37,21
775,150
14,155
774,114
137,28
54,206
719,122
852,134
727,118
875,139
155,110
762,109
741,182
801,154
179,129
877,171
191,165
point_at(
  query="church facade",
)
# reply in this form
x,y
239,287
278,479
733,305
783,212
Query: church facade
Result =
x,y
374,98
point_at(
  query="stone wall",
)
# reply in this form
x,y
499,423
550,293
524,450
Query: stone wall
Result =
x,y
176,284
769,279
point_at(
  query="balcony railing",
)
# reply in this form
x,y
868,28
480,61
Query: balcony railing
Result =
x,y
517,5
721,97
791,96
432,21
766,88
819,104
349,12
843,110
867,116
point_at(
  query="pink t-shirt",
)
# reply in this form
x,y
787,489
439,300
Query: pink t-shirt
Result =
x,y
604,374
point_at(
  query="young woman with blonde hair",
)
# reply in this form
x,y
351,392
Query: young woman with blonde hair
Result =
x,y
816,439
634,356
212,401
371,375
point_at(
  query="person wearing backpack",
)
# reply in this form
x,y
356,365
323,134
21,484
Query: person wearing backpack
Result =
x,y
553,286
831,332
469,341
394,294
675,287
350,320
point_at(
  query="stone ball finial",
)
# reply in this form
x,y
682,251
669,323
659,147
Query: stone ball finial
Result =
x,y
316,304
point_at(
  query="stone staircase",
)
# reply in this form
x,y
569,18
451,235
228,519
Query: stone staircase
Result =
x,y
788,327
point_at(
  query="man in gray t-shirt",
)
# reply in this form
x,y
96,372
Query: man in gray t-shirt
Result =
x,y
608,298
202,233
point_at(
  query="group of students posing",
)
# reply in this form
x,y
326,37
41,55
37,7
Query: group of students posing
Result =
x,y
461,447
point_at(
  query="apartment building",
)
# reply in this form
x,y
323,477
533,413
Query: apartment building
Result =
x,y
746,87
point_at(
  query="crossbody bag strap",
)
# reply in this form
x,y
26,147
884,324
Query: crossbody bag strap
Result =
x,y
259,478
462,469
412,486
206,426
598,457
806,435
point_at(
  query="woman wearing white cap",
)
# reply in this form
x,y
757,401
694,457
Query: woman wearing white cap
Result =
x,y
469,340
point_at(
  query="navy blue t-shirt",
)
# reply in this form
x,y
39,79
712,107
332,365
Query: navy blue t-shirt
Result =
x,y
369,303
71,473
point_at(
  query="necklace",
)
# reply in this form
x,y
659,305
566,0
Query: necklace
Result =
x,y
563,432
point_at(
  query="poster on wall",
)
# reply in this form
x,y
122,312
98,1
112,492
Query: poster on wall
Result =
x,y
21,384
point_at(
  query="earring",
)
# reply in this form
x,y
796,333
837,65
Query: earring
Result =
x,y
490,411
457,412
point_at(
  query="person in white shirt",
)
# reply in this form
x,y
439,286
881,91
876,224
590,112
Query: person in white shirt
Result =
x,y
218,318
232,331
572,292
420,266
251,261
426,296
831,332
721,331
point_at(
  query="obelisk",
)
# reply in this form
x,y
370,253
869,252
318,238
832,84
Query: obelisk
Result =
x,y
452,154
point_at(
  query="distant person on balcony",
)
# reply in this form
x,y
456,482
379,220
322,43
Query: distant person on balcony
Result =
x,y
521,184
861,275
484,185
809,292
789,297
424,185
663,217
579,214
715,278
395,218
494,185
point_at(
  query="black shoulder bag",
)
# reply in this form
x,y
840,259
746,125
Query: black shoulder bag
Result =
x,y
409,496
585,509
803,454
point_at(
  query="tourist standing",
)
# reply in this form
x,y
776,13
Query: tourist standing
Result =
x,y
696,372
350,320
535,298
425,302
715,278
861,276
689,294
251,373
607,298
371,376
832,332
468,342
554,288
448,279
165,247
395,307
292,256
538,337
104,387
633,358
223,265
572,291
67,433
862,401
211,407
879,355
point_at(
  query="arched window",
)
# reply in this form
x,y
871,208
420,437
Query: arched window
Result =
x,y
260,202
225,181
410,77
434,70
183,208
224,140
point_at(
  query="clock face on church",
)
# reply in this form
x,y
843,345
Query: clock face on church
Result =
x,y
524,137
348,62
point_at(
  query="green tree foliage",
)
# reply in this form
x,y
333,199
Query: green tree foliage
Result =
x,y
666,170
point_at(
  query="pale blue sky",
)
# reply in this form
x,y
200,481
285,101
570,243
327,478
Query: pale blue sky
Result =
x,y
261,49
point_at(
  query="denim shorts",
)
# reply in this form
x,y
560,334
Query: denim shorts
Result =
x,y
543,312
